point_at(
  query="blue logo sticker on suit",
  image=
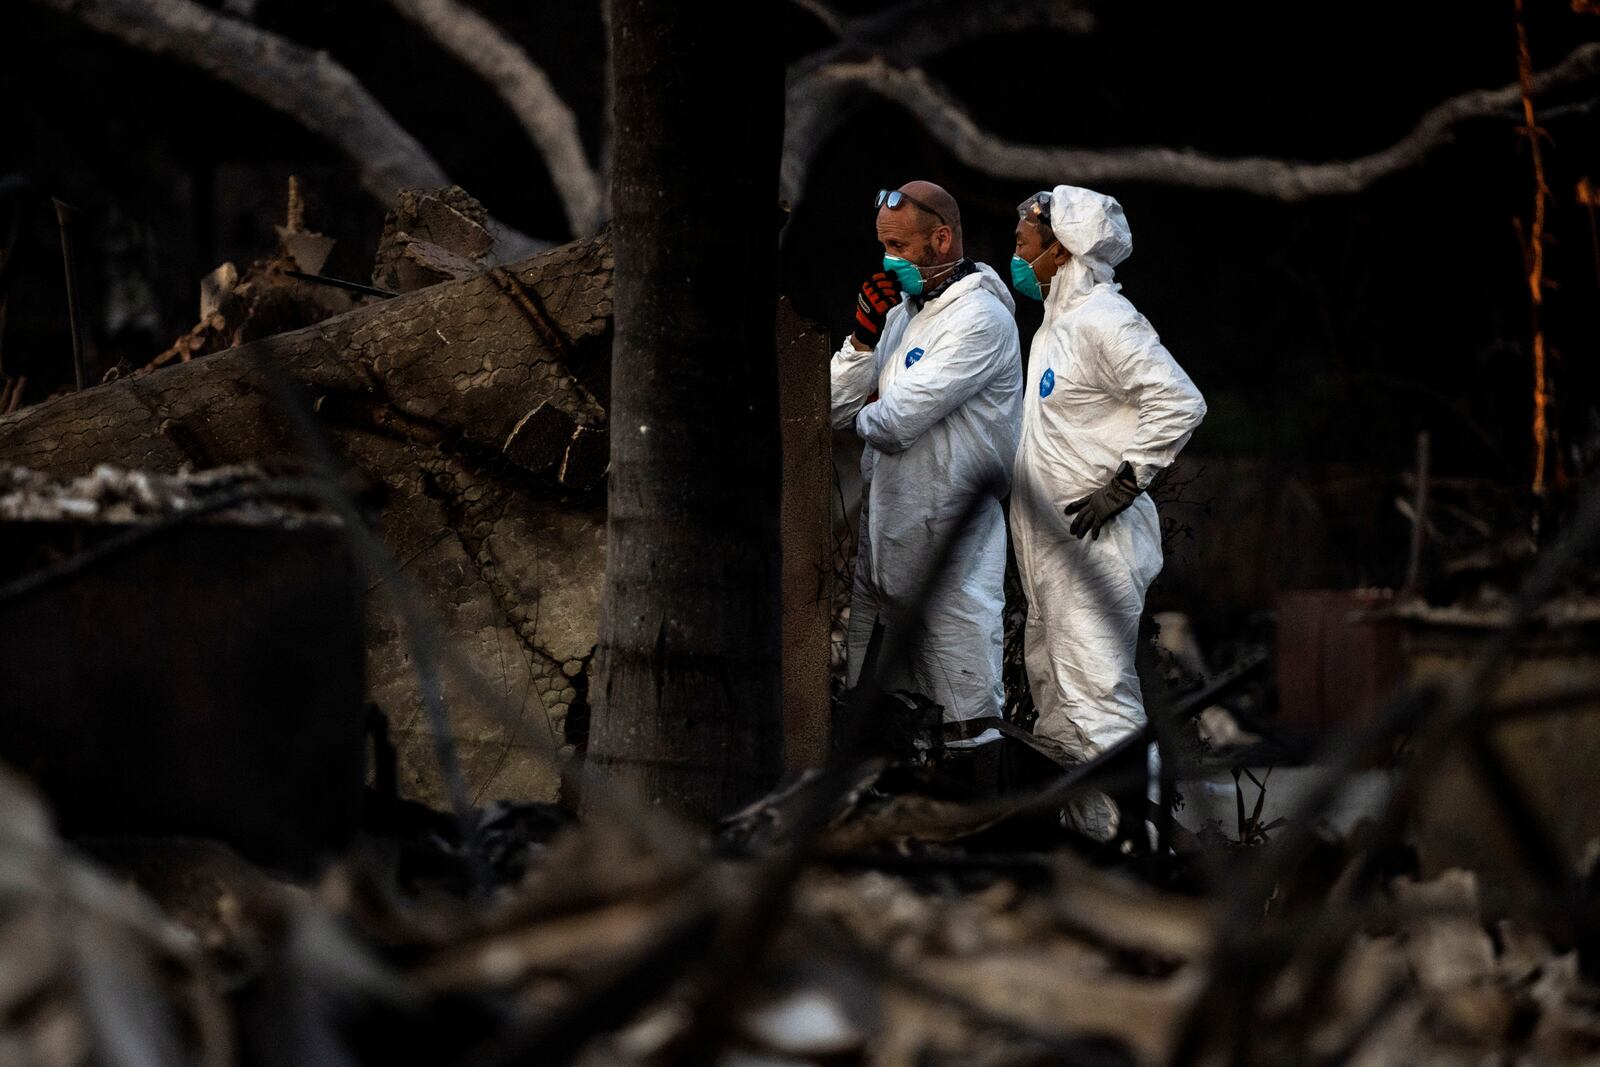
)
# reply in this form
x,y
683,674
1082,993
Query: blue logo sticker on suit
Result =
x,y
913,355
1047,384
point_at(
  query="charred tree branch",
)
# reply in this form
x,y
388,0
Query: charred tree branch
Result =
x,y
308,86
814,98
917,30
526,90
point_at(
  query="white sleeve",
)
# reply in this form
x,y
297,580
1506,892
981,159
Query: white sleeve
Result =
x,y
855,376
1170,407
964,362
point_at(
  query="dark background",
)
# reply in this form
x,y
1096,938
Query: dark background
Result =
x,y
1324,334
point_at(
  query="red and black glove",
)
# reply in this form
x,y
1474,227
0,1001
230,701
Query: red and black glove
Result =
x,y
878,294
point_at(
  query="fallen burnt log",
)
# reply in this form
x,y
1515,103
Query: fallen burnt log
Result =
x,y
473,410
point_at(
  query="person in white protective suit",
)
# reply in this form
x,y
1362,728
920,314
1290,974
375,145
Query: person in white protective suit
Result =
x,y
1106,408
931,380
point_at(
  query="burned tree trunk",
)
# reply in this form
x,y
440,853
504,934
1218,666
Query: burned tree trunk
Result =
x,y
686,706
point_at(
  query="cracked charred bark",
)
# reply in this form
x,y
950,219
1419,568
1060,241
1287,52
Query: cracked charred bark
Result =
x,y
432,396
686,701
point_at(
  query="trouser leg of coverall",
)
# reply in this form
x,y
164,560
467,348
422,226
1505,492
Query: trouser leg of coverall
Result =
x,y
1085,598
863,603
866,612
957,661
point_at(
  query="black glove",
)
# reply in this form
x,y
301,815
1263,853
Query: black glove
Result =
x,y
1104,504
878,294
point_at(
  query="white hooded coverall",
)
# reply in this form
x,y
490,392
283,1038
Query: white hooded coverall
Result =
x,y
1101,389
943,429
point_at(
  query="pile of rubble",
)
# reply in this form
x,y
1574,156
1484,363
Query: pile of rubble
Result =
x,y
427,238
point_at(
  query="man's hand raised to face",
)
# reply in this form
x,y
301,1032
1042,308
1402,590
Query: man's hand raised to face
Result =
x,y
878,295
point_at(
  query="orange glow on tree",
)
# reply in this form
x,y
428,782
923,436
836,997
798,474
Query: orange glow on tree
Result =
x,y
1533,254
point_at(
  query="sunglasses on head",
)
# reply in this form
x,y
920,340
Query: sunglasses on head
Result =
x,y
893,198
1036,208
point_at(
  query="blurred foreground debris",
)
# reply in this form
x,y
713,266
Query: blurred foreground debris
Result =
x,y
596,947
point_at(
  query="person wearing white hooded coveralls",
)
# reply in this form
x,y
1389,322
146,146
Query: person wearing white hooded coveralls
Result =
x,y
946,368
1106,408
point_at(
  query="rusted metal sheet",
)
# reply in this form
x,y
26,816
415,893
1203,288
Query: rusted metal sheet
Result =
x,y
1336,663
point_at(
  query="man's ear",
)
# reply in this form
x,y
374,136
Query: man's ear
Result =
x,y
943,239
1060,255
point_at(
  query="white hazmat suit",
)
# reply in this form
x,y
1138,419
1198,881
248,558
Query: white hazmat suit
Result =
x,y
1101,390
948,375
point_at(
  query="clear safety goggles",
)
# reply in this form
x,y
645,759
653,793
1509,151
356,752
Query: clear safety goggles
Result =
x,y
893,198
1036,208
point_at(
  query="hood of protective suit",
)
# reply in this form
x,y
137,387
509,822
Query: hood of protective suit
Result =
x,y
1094,229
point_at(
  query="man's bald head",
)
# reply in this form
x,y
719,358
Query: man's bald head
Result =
x,y
940,200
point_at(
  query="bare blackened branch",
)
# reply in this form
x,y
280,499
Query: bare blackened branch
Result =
x,y
908,33
914,31
824,14
308,86
814,98
544,116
